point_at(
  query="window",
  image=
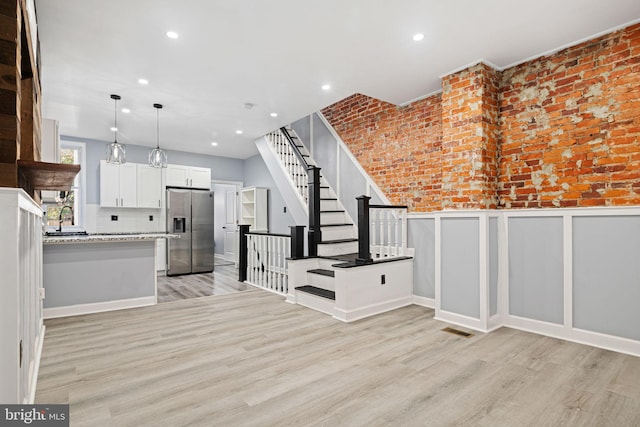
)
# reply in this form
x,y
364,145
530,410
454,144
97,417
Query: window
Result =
x,y
73,212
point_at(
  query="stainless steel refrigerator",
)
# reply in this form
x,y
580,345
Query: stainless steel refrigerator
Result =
x,y
190,214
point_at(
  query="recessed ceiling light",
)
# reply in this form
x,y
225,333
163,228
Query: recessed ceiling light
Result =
x,y
214,144
274,114
143,81
326,87
239,132
172,34
418,37
114,129
126,110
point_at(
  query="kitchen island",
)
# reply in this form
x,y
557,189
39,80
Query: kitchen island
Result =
x,y
99,272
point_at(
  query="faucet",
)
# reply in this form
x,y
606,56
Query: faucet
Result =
x,y
60,216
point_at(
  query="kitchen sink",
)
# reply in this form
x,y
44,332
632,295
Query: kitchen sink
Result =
x,y
65,233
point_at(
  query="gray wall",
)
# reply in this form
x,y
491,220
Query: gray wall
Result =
x,y
222,168
256,174
606,275
460,289
535,268
421,232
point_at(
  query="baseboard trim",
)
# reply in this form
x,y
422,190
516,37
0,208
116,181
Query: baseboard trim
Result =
x,y
424,301
36,366
579,336
371,310
460,320
98,307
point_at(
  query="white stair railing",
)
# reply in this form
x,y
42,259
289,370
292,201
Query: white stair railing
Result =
x,y
296,171
267,261
388,231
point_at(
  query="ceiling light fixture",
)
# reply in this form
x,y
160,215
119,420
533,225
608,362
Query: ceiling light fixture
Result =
x,y
239,132
143,81
126,110
157,156
274,114
418,37
172,34
214,144
116,152
326,87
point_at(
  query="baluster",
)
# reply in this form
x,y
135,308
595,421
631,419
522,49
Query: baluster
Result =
x,y
373,213
381,225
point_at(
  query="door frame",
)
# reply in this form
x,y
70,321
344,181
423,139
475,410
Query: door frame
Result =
x,y
239,186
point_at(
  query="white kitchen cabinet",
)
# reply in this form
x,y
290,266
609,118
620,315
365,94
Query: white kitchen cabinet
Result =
x,y
118,185
149,191
188,177
253,202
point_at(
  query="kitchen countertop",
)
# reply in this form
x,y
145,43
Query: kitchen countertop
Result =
x,y
112,237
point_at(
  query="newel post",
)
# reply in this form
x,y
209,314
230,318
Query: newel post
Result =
x,y
315,234
297,241
364,249
242,252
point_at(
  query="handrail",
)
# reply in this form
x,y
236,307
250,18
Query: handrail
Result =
x,y
388,207
294,147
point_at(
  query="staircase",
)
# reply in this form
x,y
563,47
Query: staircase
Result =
x,y
334,281
338,231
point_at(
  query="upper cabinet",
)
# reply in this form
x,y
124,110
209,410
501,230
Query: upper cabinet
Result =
x,y
188,177
118,187
149,182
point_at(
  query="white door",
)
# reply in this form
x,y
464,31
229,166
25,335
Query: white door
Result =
x,y
230,235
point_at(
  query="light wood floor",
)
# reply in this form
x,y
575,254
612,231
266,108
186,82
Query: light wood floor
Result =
x,y
223,280
251,359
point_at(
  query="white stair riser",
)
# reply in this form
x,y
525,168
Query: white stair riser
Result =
x,y
333,218
320,304
320,281
329,205
327,193
337,249
340,232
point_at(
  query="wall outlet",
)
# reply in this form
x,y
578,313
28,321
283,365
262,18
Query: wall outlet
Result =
x,y
150,217
383,279
114,217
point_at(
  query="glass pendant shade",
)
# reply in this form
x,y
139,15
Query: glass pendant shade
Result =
x,y
157,156
116,152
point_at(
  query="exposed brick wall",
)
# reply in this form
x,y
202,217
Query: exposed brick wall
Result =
x,y
469,138
399,147
557,131
570,126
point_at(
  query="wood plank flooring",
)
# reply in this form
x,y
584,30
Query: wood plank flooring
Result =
x,y
223,280
250,359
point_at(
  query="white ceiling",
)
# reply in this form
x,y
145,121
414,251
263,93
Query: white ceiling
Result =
x,y
277,54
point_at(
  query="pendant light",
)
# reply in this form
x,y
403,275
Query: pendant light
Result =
x,y
157,156
116,152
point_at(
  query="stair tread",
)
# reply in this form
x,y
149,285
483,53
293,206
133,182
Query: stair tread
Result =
x,y
342,257
322,272
328,198
328,242
335,225
332,211
324,293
